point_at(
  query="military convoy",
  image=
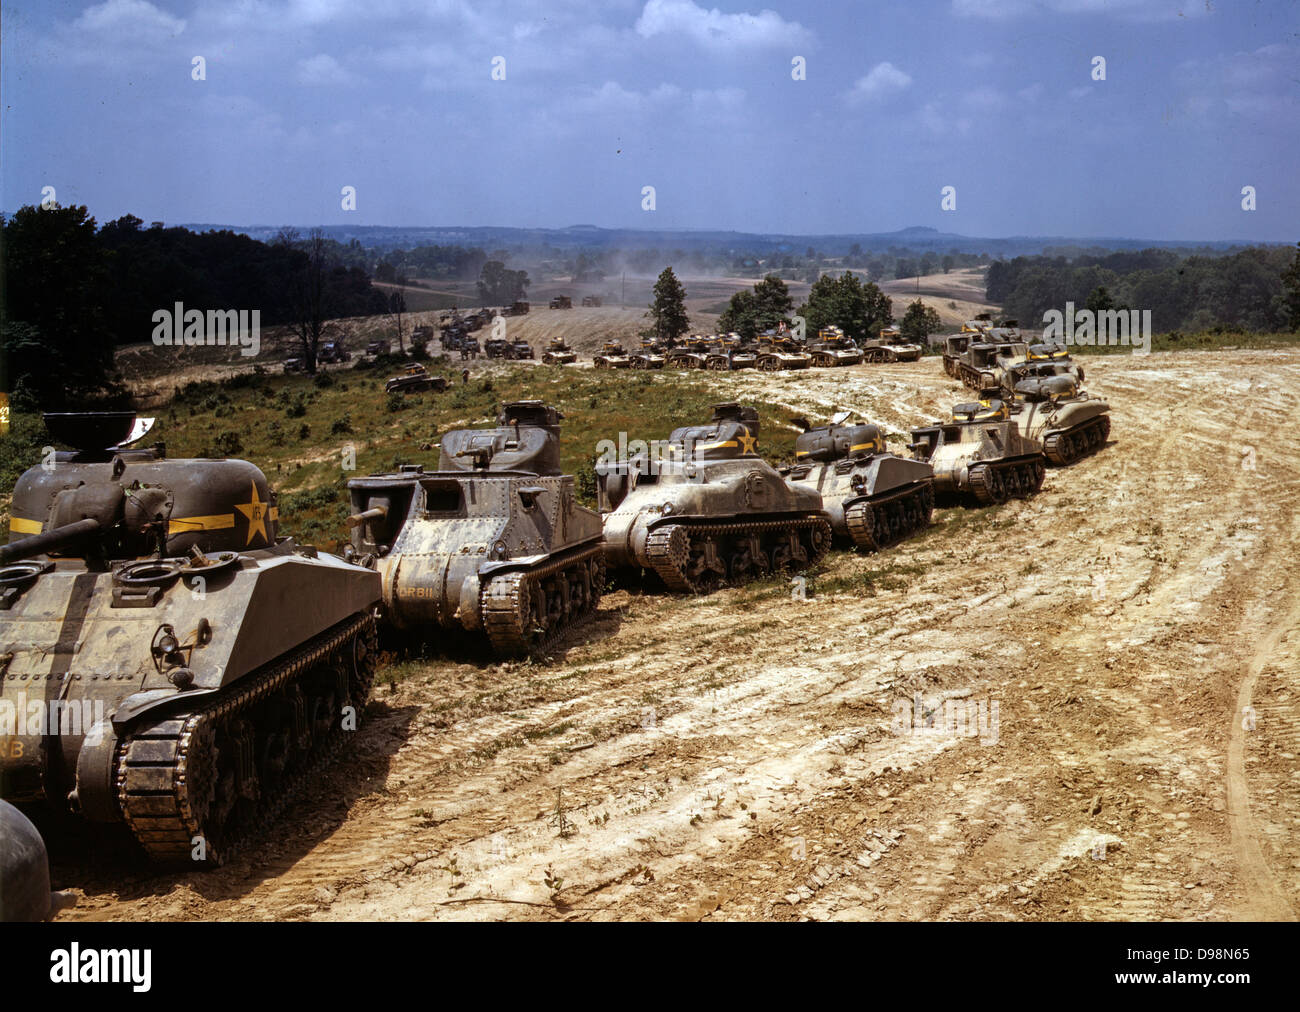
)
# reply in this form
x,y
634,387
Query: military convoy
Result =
x,y
193,667
494,542
873,497
708,509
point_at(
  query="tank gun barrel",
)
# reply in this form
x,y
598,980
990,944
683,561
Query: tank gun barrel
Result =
x,y
38,544
374,513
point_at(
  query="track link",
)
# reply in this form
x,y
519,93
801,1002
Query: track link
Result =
x,y
1071,445
876,523
528,610
679,552
172,772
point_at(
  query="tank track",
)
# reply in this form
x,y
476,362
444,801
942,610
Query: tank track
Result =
x,y
876,523
880,355
673,550
170,773
1069,445
1001,480
527,610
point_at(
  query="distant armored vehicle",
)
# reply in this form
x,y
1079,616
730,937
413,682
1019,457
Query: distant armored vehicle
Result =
x,y
378,348
611,356
890,346
954,349
415,379
709,509
1069,422
193,667
649,356
984,364
493,542
874,497
691,353
590,300
520,349
519,308
332,352
775,354
295,365
561,302
981,453
558,352
833,347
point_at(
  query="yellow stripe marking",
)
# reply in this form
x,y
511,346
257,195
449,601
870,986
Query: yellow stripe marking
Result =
x,y
19,525
220,522
718,446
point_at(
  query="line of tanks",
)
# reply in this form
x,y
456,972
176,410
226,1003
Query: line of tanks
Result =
x,y
171,663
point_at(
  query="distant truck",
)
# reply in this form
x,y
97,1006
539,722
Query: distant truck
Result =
x,y
333,351
380,347
561,302
590,300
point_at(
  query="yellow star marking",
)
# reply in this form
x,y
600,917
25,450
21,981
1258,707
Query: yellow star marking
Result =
x,y
747,442
256,512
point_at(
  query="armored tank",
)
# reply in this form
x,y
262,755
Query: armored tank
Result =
x,y
649,356
493,542
833,347
984,363
692,353
558,352
890,346
415,378
981,453
520,349
777,353
611,356
1055,355
182,666
1069,422
708,508
874,497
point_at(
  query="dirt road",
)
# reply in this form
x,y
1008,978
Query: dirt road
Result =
x,y
1124,652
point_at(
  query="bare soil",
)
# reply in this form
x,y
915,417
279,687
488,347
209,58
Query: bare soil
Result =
x,y
1135,628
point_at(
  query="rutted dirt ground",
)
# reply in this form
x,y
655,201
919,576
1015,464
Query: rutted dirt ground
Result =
x,y
1128,643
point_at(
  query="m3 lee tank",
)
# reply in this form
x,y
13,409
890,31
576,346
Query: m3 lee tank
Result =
x,y
874,497
709,508
494,541
1070,423
167,659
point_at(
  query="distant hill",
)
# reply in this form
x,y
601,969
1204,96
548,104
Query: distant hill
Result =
x,y
915,239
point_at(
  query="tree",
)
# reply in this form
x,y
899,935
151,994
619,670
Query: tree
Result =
x,y
1099,300
1291,290
919,322
305,291
57,284
906,268
860,309
741,315
498,285
669,308
948,262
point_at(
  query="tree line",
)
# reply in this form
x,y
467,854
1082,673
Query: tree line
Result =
x,y
74,291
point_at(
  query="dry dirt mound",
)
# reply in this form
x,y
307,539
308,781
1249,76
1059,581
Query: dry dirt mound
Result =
x,y
1125,646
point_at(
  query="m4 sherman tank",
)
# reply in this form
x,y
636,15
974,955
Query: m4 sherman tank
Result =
x,y
611,356
494,541
1070,423
833,347
709,508
874,497
170,661
558,352
981,453
890,346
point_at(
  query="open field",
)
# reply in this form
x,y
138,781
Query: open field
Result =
x,y
1134,628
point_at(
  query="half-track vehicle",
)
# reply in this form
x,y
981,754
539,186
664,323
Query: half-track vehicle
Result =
x,y
494,542
708,508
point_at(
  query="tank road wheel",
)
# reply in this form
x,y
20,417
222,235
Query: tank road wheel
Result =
x,y
707,567
769,364
638,363
818,537
596,569
861,521
718,364
986,486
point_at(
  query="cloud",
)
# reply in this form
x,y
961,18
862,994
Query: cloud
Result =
x,y
136,20
1131,10
1257,85
713,29
883,80
323,69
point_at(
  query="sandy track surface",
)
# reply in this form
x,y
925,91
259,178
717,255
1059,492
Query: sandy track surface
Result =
x,y
1127,645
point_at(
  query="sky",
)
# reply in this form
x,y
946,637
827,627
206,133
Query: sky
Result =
x,y
562,112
